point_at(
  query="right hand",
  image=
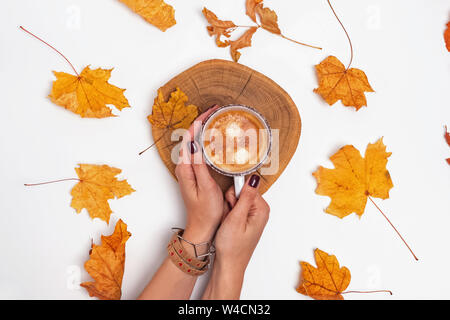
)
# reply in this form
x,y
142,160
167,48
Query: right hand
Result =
x,y
241,228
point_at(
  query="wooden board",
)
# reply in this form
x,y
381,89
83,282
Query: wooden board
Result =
x,y
224,82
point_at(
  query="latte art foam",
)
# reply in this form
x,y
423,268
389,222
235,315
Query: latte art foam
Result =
x,y
236,141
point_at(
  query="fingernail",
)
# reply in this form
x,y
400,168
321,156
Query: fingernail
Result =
x,y
193,147
254,181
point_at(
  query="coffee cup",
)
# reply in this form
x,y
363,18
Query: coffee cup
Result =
x,y
236,141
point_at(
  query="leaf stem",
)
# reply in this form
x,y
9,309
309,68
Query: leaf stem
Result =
x,y
303,44
54,181
73,68
346,33
373,291
394,228
157,140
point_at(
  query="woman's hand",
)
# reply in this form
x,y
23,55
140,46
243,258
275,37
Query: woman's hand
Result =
x,y
202,196
236,240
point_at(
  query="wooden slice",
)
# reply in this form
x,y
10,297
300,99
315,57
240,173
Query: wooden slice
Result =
x,y
224,82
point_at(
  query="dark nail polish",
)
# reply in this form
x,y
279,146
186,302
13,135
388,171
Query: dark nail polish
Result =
x,y
193,147
254,181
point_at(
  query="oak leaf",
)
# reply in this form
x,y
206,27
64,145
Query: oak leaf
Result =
x,y
244,41
250,8
447,36
156,12
87,94
218,28
106,265
447,138
326,282
268,19
174,113
338,83
354,179
98,184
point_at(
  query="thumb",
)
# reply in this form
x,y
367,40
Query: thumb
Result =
x,y
246,199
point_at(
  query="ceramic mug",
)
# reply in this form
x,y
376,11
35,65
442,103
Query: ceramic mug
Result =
x,y
238,176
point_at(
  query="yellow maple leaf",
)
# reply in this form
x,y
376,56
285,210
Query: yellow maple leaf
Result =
x,y
98,184
87,94
326,282
174,113
338,83
354,179
106,265
156,12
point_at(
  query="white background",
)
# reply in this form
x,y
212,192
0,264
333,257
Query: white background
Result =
x,y
399,44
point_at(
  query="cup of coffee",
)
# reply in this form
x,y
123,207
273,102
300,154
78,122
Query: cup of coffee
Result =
x,y
236,141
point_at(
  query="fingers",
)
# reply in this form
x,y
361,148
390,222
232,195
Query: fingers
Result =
x,y
192,166
230,196
246,200
203,178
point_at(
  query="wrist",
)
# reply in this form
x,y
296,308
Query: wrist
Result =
x,y
197,236
225,283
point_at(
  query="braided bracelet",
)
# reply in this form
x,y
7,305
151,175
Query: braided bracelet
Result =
x,y
183,260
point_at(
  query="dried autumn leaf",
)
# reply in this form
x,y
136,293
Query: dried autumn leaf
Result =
x,y
156,12
447,36
106,265
218,27
87,94
338,83
174,113
447,138
244,41
354,179
326,282
268,19
98,184
250,8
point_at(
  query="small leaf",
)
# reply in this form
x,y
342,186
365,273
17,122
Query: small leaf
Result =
x,y
268,18
250,8
174,113
244,41
218,27
106,265
156,12
338,83
326,282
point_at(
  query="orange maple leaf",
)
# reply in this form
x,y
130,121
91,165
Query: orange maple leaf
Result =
x,y
106,265
326,282
339,83
447,36
98,184
354,179
87,94
174,113
447,138
156,12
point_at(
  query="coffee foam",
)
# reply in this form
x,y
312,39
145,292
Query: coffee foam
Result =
x,y
236,141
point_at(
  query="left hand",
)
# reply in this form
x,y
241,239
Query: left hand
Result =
x,y
203,198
